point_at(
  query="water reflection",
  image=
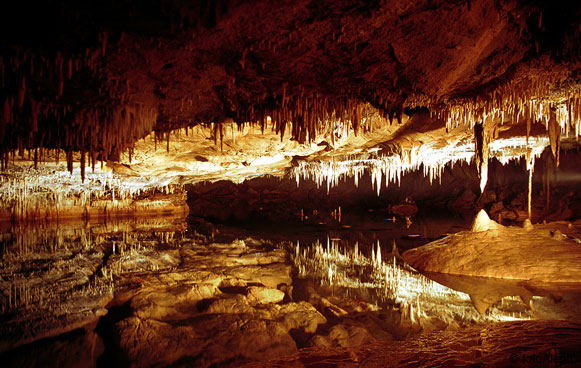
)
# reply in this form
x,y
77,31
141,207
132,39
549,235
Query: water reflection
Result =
x,y
340,268
348,287
556,300
45,265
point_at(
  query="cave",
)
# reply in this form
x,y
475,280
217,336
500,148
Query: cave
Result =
x,y
228,183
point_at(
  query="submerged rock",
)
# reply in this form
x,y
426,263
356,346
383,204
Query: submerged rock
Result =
x,y
263,295
301,316
205,340
216,308
346,335
235,304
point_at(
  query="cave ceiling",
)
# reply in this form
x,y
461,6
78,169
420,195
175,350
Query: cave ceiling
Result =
x,y
96,76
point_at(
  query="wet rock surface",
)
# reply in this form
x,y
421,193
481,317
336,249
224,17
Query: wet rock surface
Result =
x,y
56,283
223,305
163,299
542,253
50,292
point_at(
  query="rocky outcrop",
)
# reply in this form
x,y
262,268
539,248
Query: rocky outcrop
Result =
x,y
493,250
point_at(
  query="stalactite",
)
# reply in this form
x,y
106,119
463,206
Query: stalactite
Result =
x,y
221,137
60,125
215,133
554,131
481,154
115,127
93,160
529,124
70,161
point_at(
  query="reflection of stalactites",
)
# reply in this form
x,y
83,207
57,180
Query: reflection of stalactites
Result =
x,y
83,165
527,299
481,154
549,169
554,135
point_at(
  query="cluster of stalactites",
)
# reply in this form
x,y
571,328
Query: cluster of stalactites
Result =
x,y
383,170
26,196
514,103
306,117
98,133
40,108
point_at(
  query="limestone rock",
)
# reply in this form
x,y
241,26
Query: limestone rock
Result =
x,y
346,335
220,339
173,302
263,295
557,235
270,275
496,207
301,316
231,305
508,252
321,341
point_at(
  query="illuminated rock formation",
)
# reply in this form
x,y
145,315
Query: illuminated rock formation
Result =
x,y
304,70
282,123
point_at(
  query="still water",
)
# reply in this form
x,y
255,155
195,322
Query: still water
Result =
x,y
71,294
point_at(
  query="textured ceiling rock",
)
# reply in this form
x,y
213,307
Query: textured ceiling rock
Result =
x,y
96,76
